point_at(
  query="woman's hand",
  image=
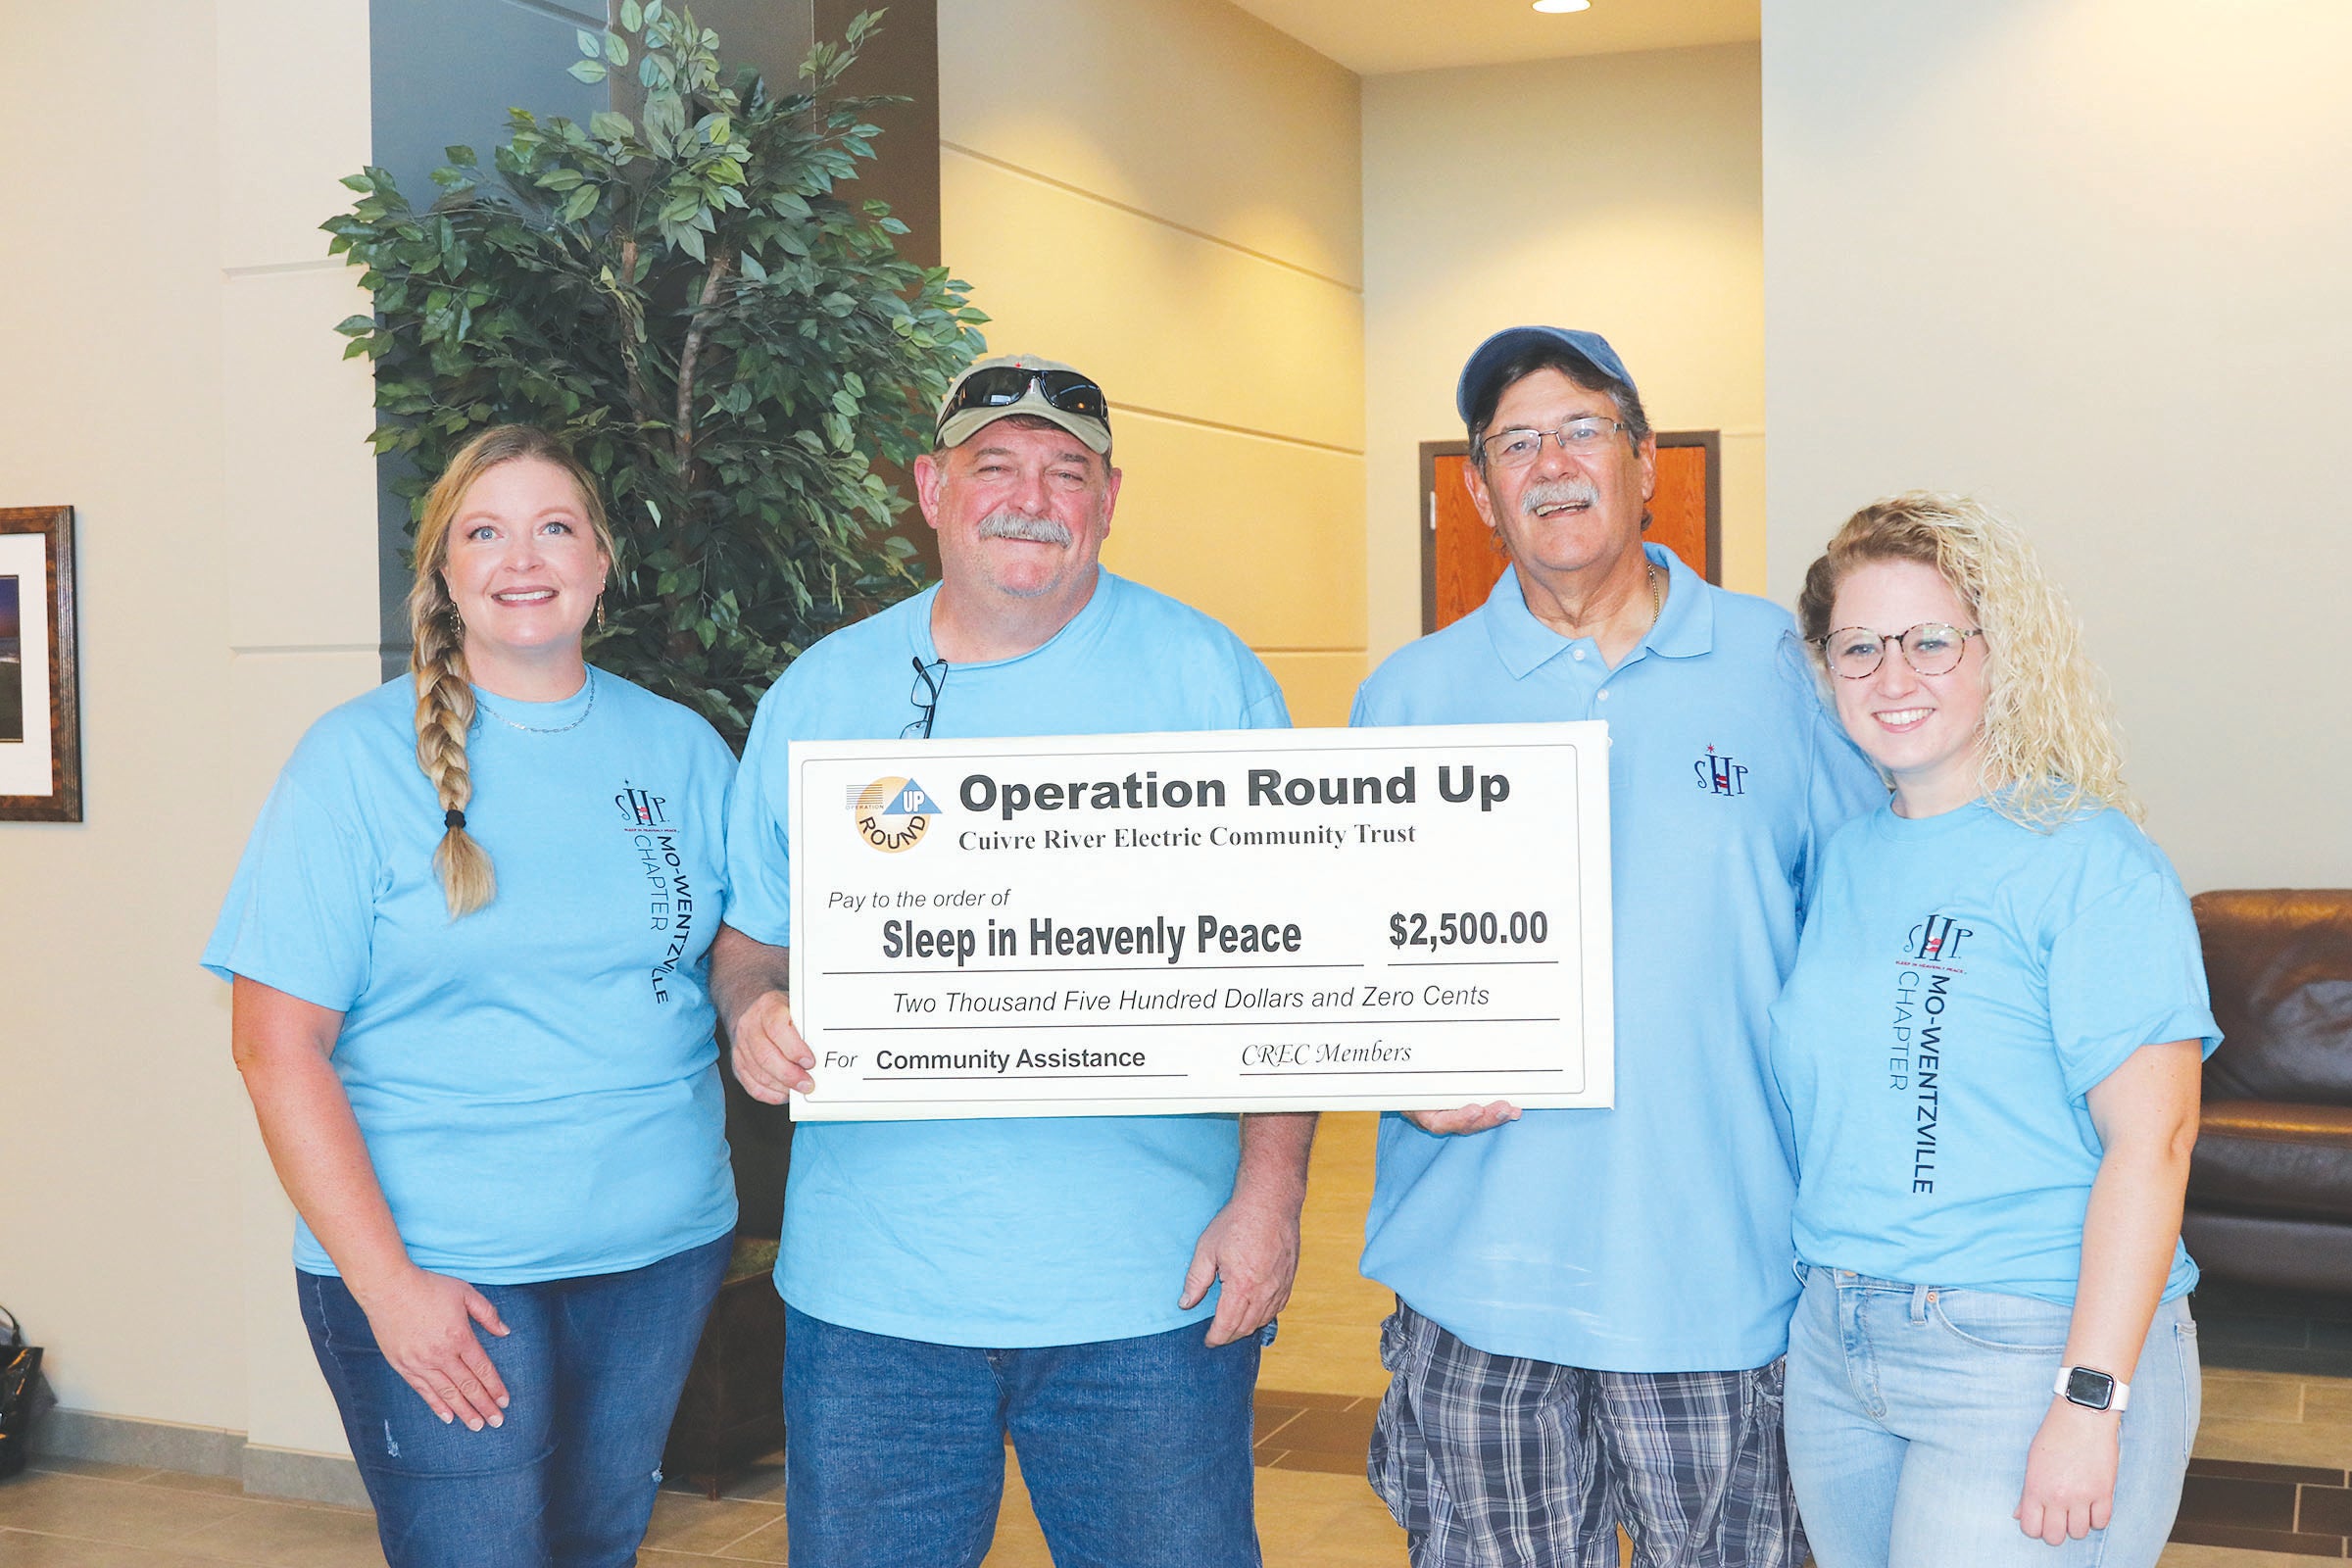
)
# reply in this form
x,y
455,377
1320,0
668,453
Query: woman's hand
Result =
x,y
423,1323
2146,1115
2070,1473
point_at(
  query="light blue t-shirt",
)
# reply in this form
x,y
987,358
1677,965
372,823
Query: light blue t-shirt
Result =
x,y
537,1082
1654,1237
1008,1232
1964,982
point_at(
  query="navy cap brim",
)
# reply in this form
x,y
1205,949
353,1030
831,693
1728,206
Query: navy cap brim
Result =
x,y
1489,357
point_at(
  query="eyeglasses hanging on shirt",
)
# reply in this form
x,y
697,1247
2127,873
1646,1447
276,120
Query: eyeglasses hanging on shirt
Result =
x,y
929,681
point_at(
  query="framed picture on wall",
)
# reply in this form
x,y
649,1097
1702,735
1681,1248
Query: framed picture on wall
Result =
x,y
40,706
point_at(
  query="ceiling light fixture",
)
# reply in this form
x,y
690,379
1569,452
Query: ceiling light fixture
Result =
x,y
1556,6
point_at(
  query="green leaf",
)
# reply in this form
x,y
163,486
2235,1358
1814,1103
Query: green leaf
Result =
x,y
591,45
616,52
586,70
632,16
463,157
608,125
578,205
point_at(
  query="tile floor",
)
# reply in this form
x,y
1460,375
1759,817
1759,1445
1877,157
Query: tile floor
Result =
x,y
70,1514
2270,1487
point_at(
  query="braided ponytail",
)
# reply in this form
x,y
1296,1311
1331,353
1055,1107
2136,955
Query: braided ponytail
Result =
x,y
444,714
444,685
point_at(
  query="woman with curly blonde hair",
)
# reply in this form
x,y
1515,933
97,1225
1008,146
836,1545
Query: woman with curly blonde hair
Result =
x,y
468,944
1990,1049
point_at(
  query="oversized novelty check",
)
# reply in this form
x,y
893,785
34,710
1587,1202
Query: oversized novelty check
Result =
x,y
1228,920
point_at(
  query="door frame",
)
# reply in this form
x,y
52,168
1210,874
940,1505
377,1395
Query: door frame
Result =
x,y
1431,451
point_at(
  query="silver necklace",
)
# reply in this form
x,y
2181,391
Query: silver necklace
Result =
x,y
552,730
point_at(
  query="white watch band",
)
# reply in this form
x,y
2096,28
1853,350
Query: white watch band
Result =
x,y
2118,1400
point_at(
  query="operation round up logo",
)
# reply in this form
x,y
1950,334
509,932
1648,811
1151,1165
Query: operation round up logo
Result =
x,y
893,813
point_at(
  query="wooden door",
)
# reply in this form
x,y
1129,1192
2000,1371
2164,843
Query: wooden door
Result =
x,y
1460,558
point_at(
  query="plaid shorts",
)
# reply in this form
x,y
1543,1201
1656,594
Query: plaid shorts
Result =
x,y
1491,1461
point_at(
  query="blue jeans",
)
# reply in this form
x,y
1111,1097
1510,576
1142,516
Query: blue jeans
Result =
x,y
593,1367
1910,1408
1136,1452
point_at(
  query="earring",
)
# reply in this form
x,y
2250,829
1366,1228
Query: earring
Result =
x,y
600,610
457,622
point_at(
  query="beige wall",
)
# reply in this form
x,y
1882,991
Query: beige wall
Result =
x,y
1615,192
172,376
1164,193
2087,258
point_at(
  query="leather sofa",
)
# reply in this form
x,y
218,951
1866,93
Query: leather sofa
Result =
x,y
2269,1187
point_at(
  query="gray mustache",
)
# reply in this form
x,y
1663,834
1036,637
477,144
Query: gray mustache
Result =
x,y
1558,492
1006,523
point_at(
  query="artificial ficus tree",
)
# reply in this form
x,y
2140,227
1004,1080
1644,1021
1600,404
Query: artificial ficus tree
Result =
x,y
728,342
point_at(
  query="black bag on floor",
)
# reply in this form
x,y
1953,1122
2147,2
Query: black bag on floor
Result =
x,y
20,1382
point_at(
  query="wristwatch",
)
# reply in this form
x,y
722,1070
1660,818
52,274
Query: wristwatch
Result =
x,y
2093,1389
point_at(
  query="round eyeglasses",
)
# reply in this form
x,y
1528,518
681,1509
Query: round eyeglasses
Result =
x,y
1517,448
1930,648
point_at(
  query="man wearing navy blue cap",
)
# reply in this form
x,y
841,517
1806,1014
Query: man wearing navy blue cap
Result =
x,y
1592,1304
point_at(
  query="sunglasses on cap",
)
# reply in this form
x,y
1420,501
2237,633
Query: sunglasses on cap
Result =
x,y
999,386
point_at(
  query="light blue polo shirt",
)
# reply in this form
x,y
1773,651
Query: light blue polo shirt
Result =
x,y
1005,1232
1654,1237
538,1082
1964,983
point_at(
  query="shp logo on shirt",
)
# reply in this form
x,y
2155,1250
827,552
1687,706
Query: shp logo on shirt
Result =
x,y
1720,775
1936,938
893,813
642,808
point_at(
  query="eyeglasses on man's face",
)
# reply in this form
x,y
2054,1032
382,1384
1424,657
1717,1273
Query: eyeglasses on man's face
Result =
x,y
1518,446
1930,648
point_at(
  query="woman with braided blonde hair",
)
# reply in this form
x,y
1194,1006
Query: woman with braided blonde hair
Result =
x,y
1990,1049
469,943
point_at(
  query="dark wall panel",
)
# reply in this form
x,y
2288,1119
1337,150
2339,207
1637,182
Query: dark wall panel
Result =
x,y
903,59
444,72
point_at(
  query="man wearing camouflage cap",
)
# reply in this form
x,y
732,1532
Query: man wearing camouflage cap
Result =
x,y
948,1283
